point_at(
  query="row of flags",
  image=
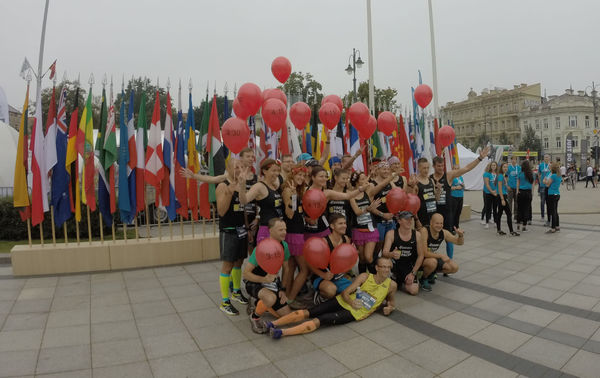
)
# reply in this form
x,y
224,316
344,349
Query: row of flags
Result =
x,y
113,177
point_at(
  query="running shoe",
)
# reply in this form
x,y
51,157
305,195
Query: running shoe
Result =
x,y
432,279
295,305
318,299
257,325
239,297
251,306
228,308
483,222
501,233
547,224
269,325
486,226
425,285
524,228
514,233
551,231
275,333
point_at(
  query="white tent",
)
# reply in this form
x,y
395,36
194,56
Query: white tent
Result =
x,y
474,178
9,139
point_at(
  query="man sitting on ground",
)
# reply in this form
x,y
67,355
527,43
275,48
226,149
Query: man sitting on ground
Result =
x,y
357,302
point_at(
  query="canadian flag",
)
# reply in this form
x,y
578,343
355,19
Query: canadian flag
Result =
x,y
154,154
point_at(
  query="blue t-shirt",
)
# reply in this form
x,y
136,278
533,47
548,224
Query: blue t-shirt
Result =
x,y
502,183
543,171
459,193
492,178
554,188
513,172
523,183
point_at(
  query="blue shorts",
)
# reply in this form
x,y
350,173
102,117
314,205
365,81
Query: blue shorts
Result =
x,y
384,227
341,284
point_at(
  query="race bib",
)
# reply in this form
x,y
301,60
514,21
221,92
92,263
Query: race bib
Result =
x,y
242,233
364,219
367,300
294,201
431,206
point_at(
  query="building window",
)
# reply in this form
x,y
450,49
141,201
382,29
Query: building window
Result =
x,y
545,123
558,142
575,141
557,122
503,125
573,121
587,122
537,124
525,124
546,144
596,123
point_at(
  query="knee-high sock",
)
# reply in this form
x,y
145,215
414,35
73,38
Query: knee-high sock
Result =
x,y
292,317
236,277
261,308
305,327
224,283
450,249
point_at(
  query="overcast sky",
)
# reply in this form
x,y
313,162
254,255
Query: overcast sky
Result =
x,y
480,43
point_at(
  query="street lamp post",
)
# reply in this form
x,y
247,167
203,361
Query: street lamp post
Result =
x,y
351,69
595,104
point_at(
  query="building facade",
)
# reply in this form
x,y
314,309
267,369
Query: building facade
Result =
x,y
494,113
557,117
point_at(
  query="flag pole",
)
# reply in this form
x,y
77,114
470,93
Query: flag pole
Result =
x,y
53,228
29,231
181,224
371,80
147,222
89,222
125,232
77,230
433,61
65,231
41,234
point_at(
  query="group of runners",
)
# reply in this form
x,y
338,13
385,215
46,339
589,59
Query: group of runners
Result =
x,y
398,251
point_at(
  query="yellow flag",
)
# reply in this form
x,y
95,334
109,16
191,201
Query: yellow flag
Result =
x,y
20,193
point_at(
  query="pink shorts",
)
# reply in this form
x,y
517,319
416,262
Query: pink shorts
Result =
x,y
295,243
363,237
321,234
263,233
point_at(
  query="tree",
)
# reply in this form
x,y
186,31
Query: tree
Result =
x,y
503,139
70,101
384,98
530,142
481,140
305,86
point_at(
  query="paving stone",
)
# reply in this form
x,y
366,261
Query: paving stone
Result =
x,y
61,359
542,293
356,353
75,279
167,271
326,336
545,352
113,331
428,311
396,337
577,300
138,274
41,282
86,373
445,356
131,370
217,336
461,294
110,299
198,268
117,352
322,365
152,309
392,367
476,367
75,302
372,323
15,322
66,336
189,290
461,324
502,338
108,287
583,364
575,325
197,302
276,350
168,344
68,318
9,294
160,325
31,305
20,340
247,357
6,306
36,293
179,280
586,288
73,289
111,314
206,317
534,315
18,363
192,365
143,283
147,295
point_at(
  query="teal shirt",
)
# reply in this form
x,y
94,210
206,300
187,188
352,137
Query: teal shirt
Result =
x,y
502,183
543,172
492,178
513,172
554,188
523,183
286,254
459,193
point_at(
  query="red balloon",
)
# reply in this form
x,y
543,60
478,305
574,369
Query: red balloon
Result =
x,y
343,258
413,203
314,203
423,95
235,134
358,114
446,135
270,255
274,113
367,130
386,122
274,93
329,114
239,111
250,98
300,115
316,252
334,99
396,200
281,68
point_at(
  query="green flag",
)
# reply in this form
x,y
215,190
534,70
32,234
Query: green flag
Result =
x,y
202,140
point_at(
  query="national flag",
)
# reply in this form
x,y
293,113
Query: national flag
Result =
x,y
103,184
60,177
306,146
24,68
72,162
438,147
39,191
294,144
321,150
216,159
337,144
108,156
271,141
50,138
406,152
168,182
193,163
180,181
284,146
154,153
86,125
133,160
355,145
226,115
314,132
252,143
201,146
346,134
52,70
377,150
141,141
126,206
262,151
20,192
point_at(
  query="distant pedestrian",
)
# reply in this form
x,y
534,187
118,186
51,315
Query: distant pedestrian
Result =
x,y
553,183
502,202
491,194
513,171
589,176
524,185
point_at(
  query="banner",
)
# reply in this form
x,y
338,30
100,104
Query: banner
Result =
x,y
569,149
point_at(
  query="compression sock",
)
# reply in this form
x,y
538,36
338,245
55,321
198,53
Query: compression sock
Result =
x,y
305,327
261,308
224,283
449,249
236,277
292,317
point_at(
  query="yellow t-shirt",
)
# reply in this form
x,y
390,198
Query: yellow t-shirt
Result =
x,y
372,296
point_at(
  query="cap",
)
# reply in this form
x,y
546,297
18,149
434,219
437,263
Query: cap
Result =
x,y
334,159
304,156
311,163
393,160
405,215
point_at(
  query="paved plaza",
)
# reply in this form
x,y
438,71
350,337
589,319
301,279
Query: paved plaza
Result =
x,y
519,306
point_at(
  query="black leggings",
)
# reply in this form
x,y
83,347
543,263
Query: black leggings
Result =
x,y
489,206
457,205
553,209
524,212
331,313
506,209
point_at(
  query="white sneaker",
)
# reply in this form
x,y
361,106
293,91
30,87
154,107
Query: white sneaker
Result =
x,y
487,226
483,222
